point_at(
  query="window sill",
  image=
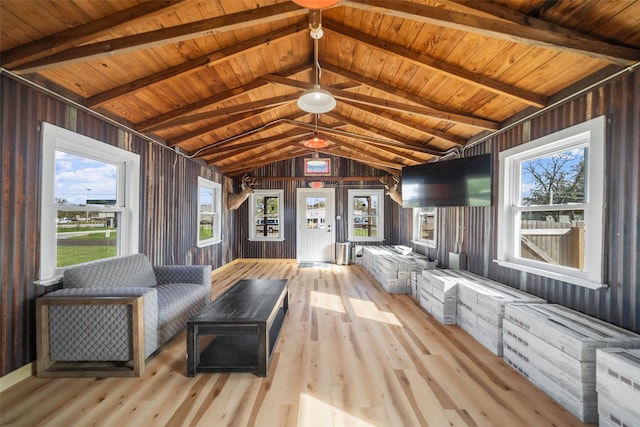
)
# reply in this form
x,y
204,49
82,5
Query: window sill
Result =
x,y
206,243
424,243
579,281
53,281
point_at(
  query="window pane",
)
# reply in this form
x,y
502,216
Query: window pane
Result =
x,y
553,237
205,230
82,240
84,234
427,223
365,216
557,178
316,211
267,216
83,181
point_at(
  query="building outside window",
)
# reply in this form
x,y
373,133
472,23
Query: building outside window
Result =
x,y
90,197
265,219
551,205
366,215
209,212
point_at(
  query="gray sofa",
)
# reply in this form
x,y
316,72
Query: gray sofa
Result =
x,y
113,314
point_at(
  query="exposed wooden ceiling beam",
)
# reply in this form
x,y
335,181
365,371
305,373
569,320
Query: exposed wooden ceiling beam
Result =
x,y
231,150
346,145
281,151
83,33
388,104
194,65
396,91
384,114
359,155
393,138
247,133
155,122
521,29
261,15
231,119
439,66
232,109
404,144
400,156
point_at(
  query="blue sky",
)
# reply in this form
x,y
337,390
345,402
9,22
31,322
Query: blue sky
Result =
x,y
78,178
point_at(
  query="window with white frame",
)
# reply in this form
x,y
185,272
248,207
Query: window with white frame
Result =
x,y
366,215
265,217
209,212
90,199
551,203
424,226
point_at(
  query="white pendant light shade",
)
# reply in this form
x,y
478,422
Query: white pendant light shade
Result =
x,y
316,101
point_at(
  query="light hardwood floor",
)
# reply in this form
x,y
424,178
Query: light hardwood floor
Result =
x,y
349,355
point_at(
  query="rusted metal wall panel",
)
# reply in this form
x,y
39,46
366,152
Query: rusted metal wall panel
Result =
x,y
168,212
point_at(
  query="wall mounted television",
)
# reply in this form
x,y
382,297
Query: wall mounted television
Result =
x,y
459,182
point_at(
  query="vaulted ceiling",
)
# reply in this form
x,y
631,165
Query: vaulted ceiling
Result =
x,y
219,79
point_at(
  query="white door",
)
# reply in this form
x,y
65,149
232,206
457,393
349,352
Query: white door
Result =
x,y
315,225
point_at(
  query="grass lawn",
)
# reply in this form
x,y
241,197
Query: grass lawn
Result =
x,y
90,247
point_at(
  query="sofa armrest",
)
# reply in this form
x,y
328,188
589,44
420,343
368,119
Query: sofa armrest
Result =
x,y
198,274
79,330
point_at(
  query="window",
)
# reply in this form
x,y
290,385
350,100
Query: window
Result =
x,y
424,226
265,220
90,197
550,206
209,220
366,215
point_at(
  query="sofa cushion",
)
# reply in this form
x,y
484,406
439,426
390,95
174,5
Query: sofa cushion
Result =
x,y
127,271
177,303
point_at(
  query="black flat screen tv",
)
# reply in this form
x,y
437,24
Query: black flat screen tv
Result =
x,y
459,182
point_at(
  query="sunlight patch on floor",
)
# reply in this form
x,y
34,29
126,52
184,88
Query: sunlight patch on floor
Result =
x,y
327,301
314,413
368,310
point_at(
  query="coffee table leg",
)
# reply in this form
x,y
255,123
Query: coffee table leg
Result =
x,y
263,350
193,353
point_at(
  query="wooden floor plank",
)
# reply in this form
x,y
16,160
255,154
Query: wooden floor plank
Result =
x,y
349,355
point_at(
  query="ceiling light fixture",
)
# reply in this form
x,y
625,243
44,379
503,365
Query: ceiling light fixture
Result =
x,y
316,100
316,141
315,4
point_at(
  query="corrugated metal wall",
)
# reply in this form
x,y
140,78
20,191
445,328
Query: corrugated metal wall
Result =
x,y
620,303
168,218
295,167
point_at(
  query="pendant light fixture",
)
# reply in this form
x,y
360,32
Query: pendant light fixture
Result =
x,y
315,4
316,100
316,141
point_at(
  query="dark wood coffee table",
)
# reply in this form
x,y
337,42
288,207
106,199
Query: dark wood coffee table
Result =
x,y
244,322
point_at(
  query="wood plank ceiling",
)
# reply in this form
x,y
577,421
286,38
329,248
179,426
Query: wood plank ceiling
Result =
x,y
219,79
